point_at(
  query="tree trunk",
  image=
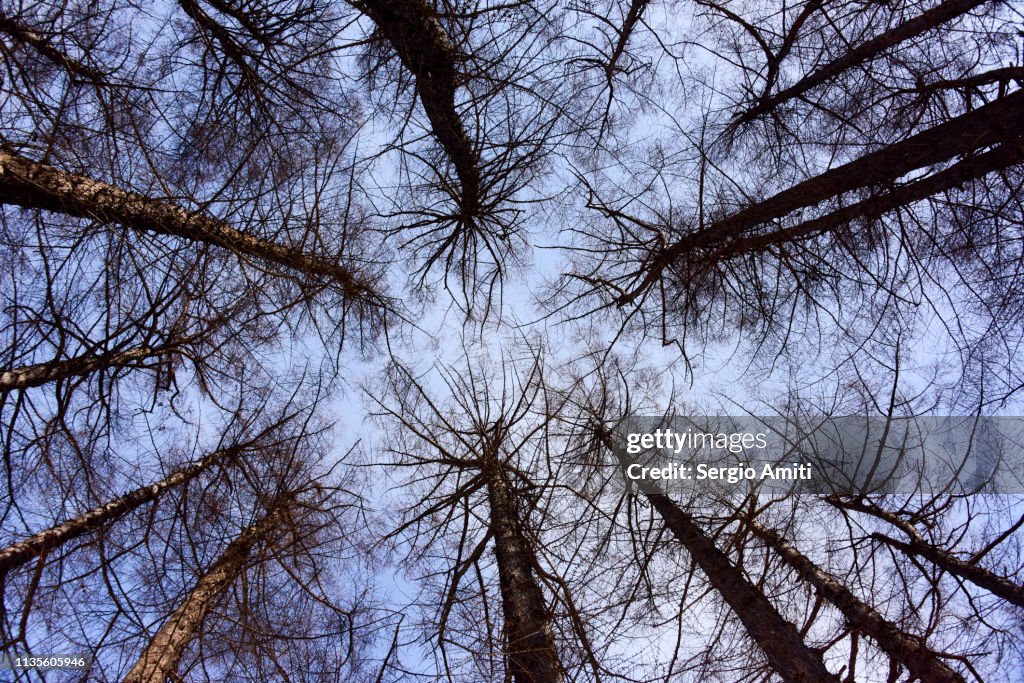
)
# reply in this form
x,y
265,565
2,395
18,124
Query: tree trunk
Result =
x,y
781,643
911,28
998,123
786,651
29,36
159,660
19,553
414,31
979,576
532,655
909,650
42,373
971,168
35,185
787,654
636,10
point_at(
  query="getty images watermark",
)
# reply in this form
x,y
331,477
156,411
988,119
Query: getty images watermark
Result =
x,y
822,455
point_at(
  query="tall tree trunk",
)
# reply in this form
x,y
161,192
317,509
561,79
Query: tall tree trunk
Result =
x,y
998,123
29,36
13,556
532,655
636,10
969,571
865,52
877,205
909,650
35,185
41,373
159,660
415,32
780,641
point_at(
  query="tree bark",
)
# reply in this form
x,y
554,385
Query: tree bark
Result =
x,y
865,52
979,576
159,661
877,205
415,32
13,556
35,185
909,650
998,123
636,10
532,655
787,654
781,643
35,375
214,31
29,36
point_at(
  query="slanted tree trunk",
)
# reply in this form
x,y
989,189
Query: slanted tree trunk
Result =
x,y
159,661
875,206
865,52
969,571
636,10
998,123
28,36
909,650
413,29
42,373
19,553
780,641
35,185
532,657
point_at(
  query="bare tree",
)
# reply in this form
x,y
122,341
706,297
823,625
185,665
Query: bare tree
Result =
x,y
159,660
782,644
968,569
484,84
910,651
206,205
854,56
476,444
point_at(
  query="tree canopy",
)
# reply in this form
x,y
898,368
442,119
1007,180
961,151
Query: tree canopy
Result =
x,y
319,321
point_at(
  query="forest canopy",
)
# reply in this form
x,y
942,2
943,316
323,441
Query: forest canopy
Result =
x,y
319,322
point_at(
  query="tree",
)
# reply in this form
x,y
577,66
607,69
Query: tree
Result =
x,y
968,570
915,655
475,447
159,660
219,219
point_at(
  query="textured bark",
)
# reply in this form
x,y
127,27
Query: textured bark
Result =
x,y
42,373
159,661
636,10
532,657
34,185
875,206
998,123
413,29
38,42
979,576
865,52
781,643
42,542
909,650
